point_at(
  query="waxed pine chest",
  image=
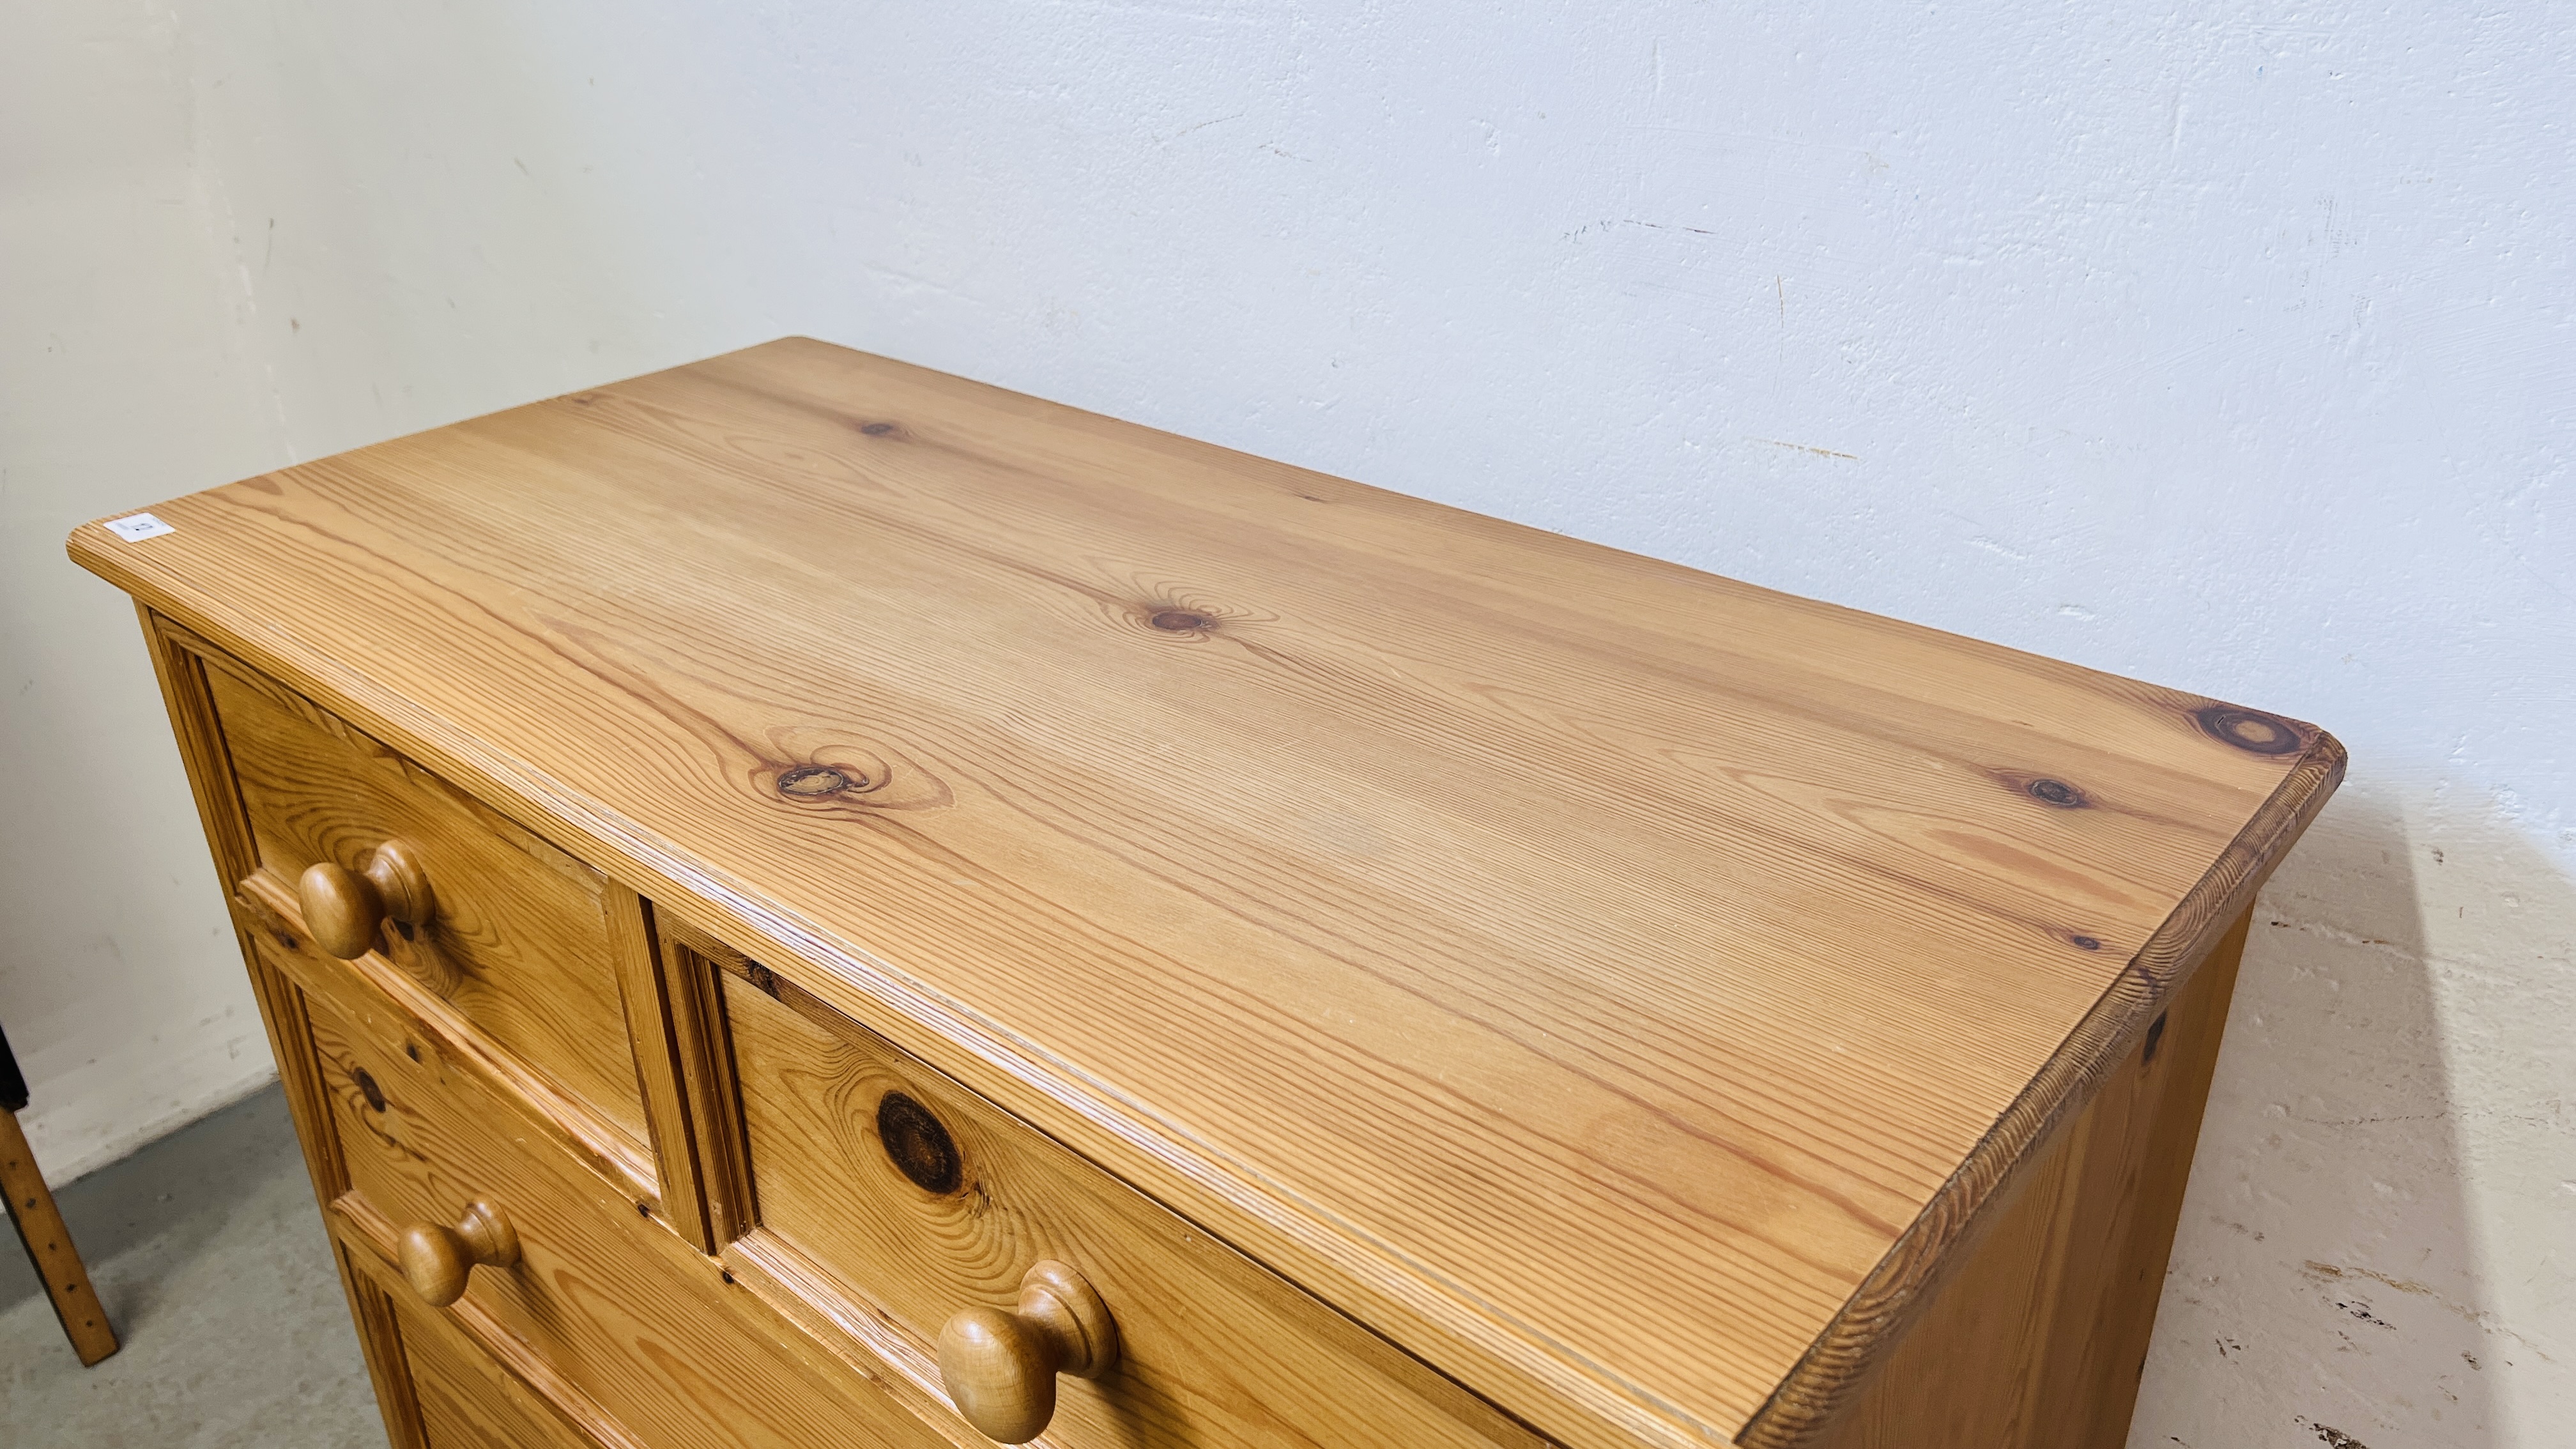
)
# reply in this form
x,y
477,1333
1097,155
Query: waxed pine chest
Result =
x,y
803,901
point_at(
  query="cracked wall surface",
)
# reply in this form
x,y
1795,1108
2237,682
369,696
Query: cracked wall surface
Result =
x,y
2229,347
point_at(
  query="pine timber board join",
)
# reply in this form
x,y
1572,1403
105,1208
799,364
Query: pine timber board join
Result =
x,y
1618,985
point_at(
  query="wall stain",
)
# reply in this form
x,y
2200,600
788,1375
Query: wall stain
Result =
x,y
1810,448
1663,226
2328,1272
2362,1311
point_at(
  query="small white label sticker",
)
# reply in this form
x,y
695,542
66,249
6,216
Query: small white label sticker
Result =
x,y
138,528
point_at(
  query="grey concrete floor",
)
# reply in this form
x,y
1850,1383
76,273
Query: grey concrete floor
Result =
x,y
209,1256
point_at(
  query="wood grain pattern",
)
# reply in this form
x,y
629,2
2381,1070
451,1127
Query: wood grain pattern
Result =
x,y
709,1101
1212,1349
1878,1316
382,1337
433,1028
468,1401
1465,921
637,1326
266,906
654,1038
2037,1339
854,1334
521,940
490,1357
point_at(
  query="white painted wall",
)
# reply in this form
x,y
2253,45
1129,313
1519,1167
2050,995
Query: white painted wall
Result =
x,y
2234,348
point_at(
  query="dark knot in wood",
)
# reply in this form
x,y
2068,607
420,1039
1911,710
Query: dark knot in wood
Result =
x,y
876,430
917,1144
2057,793
814,782
368,1089
1180,621
2249,730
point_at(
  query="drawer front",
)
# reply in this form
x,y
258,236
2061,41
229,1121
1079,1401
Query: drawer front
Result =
x,y
917,1199
520,938
466,1399
607,1312
461,1410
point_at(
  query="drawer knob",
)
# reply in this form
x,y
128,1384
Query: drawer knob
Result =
x,y
344,908
436,1258
1000,1367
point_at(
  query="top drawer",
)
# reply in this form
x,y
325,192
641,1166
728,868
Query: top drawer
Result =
x,y
514,934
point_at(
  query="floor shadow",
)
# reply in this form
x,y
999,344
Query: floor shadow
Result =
x,y
170,1197
213,1264
2329,1284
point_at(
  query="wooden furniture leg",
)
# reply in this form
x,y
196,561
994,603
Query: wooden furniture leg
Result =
x,y
40,1226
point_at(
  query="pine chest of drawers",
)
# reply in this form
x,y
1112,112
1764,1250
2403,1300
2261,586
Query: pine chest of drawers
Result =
x,y
802,901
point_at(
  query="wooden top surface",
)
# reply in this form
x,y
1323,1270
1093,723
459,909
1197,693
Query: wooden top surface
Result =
x,y
1616,983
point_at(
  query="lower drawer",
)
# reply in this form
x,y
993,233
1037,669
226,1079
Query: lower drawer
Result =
x,y
606,1314
463,1406
463,1397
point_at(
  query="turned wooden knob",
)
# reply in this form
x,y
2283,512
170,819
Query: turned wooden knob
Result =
x,y
344,908
436,1258
1000,1367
